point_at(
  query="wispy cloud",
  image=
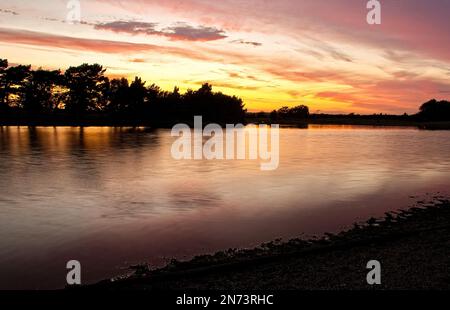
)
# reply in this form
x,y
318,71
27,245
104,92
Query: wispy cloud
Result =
x,y
177,32
129,27
14,36
7,11
247,42
137,60
189,33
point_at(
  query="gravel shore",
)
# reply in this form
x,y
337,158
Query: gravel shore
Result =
x,y
413,247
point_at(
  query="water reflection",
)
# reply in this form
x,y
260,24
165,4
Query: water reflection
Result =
x,y
114,196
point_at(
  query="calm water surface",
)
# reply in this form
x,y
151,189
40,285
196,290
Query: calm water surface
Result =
x,y
112,197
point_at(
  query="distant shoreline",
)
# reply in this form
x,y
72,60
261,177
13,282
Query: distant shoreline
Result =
x,y
411,245
104,122
359,121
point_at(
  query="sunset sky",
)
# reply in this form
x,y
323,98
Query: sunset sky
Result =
x,y
270,53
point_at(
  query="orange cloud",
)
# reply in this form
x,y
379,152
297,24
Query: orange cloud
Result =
x,y
14,36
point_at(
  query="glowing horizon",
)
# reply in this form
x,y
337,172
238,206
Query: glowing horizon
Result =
x,y
271,54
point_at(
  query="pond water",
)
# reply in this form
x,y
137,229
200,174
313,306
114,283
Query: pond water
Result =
x,y
113,197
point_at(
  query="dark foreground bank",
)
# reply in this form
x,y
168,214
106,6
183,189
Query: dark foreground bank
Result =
x,y
413,247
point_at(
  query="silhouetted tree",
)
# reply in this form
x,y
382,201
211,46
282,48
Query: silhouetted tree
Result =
x,y
137,96
214,107
3,66
283,112
298,112
13,84
434,110
205,90
38,92
118,96
173,99
87,88
154,98
153,93
273,116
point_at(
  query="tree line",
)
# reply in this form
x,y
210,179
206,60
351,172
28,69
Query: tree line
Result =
x,y
86,90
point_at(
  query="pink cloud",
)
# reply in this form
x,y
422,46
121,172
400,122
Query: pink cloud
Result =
x,y
415,25
14,36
